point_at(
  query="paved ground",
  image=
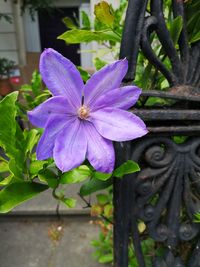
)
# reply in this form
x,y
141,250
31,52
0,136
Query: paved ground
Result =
x,y
31,241
28,235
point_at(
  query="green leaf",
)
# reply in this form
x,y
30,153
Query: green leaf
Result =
x,y
126,168
102,176
8,111
69,23
36,166
179,139
69,202
4,166
26,88
14,169
107,258
195,38
7,180
36,83
76,175
176,28
77,36
16,193
108,210
85,21
94,185
102,199
197,217
48,177
103,13
84,74
157,101
98,63
31,138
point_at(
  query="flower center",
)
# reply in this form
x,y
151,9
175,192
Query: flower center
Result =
x,y
83,112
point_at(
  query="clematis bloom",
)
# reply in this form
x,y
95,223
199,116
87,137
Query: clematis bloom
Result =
x,y
81,121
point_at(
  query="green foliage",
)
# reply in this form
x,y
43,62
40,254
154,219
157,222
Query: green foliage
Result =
x,y
18,192
197,217
85,21
17,147
126,168
69,202
33,94
106,29
20,167
77,36
8,126
104,244
192,9
99,63
94,185
76,175
49,177
99,181
179,139
69,23
175,28
104,14
84,74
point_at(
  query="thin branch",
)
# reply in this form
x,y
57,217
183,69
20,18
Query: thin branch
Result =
x,y
88,205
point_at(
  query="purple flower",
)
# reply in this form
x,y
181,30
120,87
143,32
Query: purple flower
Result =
x,y
81,121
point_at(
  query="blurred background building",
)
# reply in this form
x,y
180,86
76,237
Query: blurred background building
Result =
x,y
23,39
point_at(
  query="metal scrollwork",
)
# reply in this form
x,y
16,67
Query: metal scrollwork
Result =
x,y
165,194
138,29
170,179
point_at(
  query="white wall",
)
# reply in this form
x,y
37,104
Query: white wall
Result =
x,y
8,42
32,36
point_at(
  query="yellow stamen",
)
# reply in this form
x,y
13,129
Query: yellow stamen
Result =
x,y
83,112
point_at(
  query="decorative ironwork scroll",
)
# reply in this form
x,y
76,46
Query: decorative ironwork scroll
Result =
x,y
138,28
165,194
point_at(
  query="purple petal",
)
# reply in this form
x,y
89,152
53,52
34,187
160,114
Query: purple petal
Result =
x,y
100,151
46,143
61,76
70,146
104,80
54,105
118,125
124,98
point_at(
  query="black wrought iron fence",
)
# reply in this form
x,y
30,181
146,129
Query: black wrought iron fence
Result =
x,y
165,195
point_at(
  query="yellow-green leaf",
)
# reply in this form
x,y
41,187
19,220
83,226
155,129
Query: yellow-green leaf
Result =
x,y
77,36
69,202
103,13
76,175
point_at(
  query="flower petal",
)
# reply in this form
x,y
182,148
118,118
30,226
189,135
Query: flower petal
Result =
x,y
100,151
104,80
61,76
54,105
46,143
124,98
118,125
70,146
